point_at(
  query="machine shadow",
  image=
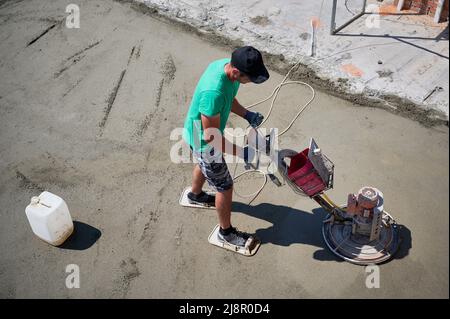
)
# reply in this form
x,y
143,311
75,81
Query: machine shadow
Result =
x,y
405,244
294,226
289,226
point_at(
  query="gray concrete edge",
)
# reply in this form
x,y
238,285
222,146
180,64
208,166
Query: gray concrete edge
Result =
x,y
277,62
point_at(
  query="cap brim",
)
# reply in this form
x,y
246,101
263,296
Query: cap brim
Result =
x,y
260,77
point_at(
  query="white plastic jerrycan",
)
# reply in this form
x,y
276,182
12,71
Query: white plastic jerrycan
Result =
x,y
49,218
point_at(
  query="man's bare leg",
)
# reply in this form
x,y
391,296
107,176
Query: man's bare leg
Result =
x,y
198,180
223,207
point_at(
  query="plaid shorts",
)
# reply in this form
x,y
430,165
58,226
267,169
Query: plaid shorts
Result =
x,y
214,169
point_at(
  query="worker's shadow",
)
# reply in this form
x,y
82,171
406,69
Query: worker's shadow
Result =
x,y
294,226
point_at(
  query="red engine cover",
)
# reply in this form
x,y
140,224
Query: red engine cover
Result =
x,y
302,173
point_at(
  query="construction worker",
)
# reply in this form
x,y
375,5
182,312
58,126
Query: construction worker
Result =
x,y
213,100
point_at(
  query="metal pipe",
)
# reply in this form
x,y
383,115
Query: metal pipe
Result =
x,y
356,17
364,7
437,15
333,18
400,5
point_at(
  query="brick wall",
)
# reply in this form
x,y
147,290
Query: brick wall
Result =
x,y
444,14
427,7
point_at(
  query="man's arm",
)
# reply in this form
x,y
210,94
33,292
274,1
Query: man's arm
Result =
x,y
211,131
238,109
253,118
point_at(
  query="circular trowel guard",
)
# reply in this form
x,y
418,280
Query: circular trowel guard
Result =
x,y
361,232
360,249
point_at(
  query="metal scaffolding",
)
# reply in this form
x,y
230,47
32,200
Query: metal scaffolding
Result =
x,y
333,28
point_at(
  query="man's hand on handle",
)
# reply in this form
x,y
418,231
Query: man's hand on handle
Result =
x,y
247,153
254,118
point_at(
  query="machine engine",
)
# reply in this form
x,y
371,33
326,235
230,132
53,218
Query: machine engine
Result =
x,y
366,209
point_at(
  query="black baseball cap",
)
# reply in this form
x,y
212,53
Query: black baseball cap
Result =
x,y
249,61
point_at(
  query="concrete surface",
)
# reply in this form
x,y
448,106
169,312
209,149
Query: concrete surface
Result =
x,y
398,61
86,114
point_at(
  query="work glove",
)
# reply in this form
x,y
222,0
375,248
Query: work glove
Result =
x,y
254,118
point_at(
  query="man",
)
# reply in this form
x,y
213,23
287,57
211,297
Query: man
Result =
x,y
213,100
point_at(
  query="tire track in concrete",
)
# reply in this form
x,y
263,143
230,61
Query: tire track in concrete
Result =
x,y
71,88
140,226
152,219
9,3
153,216
110,101
114,92
74,59
84,50
168,71
49,172
65,68
129,272
138,51
26,183
142,128
41,35
54,22
179,235
135,52
131,55
152,213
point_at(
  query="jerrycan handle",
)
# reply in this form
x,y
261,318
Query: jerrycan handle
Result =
x,y
35,200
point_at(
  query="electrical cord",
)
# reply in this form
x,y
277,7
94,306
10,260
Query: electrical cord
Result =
x,y
274,96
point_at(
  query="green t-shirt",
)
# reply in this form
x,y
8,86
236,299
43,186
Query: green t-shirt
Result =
x,y
213,95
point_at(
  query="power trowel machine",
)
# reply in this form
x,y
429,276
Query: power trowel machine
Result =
x,y
361,232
